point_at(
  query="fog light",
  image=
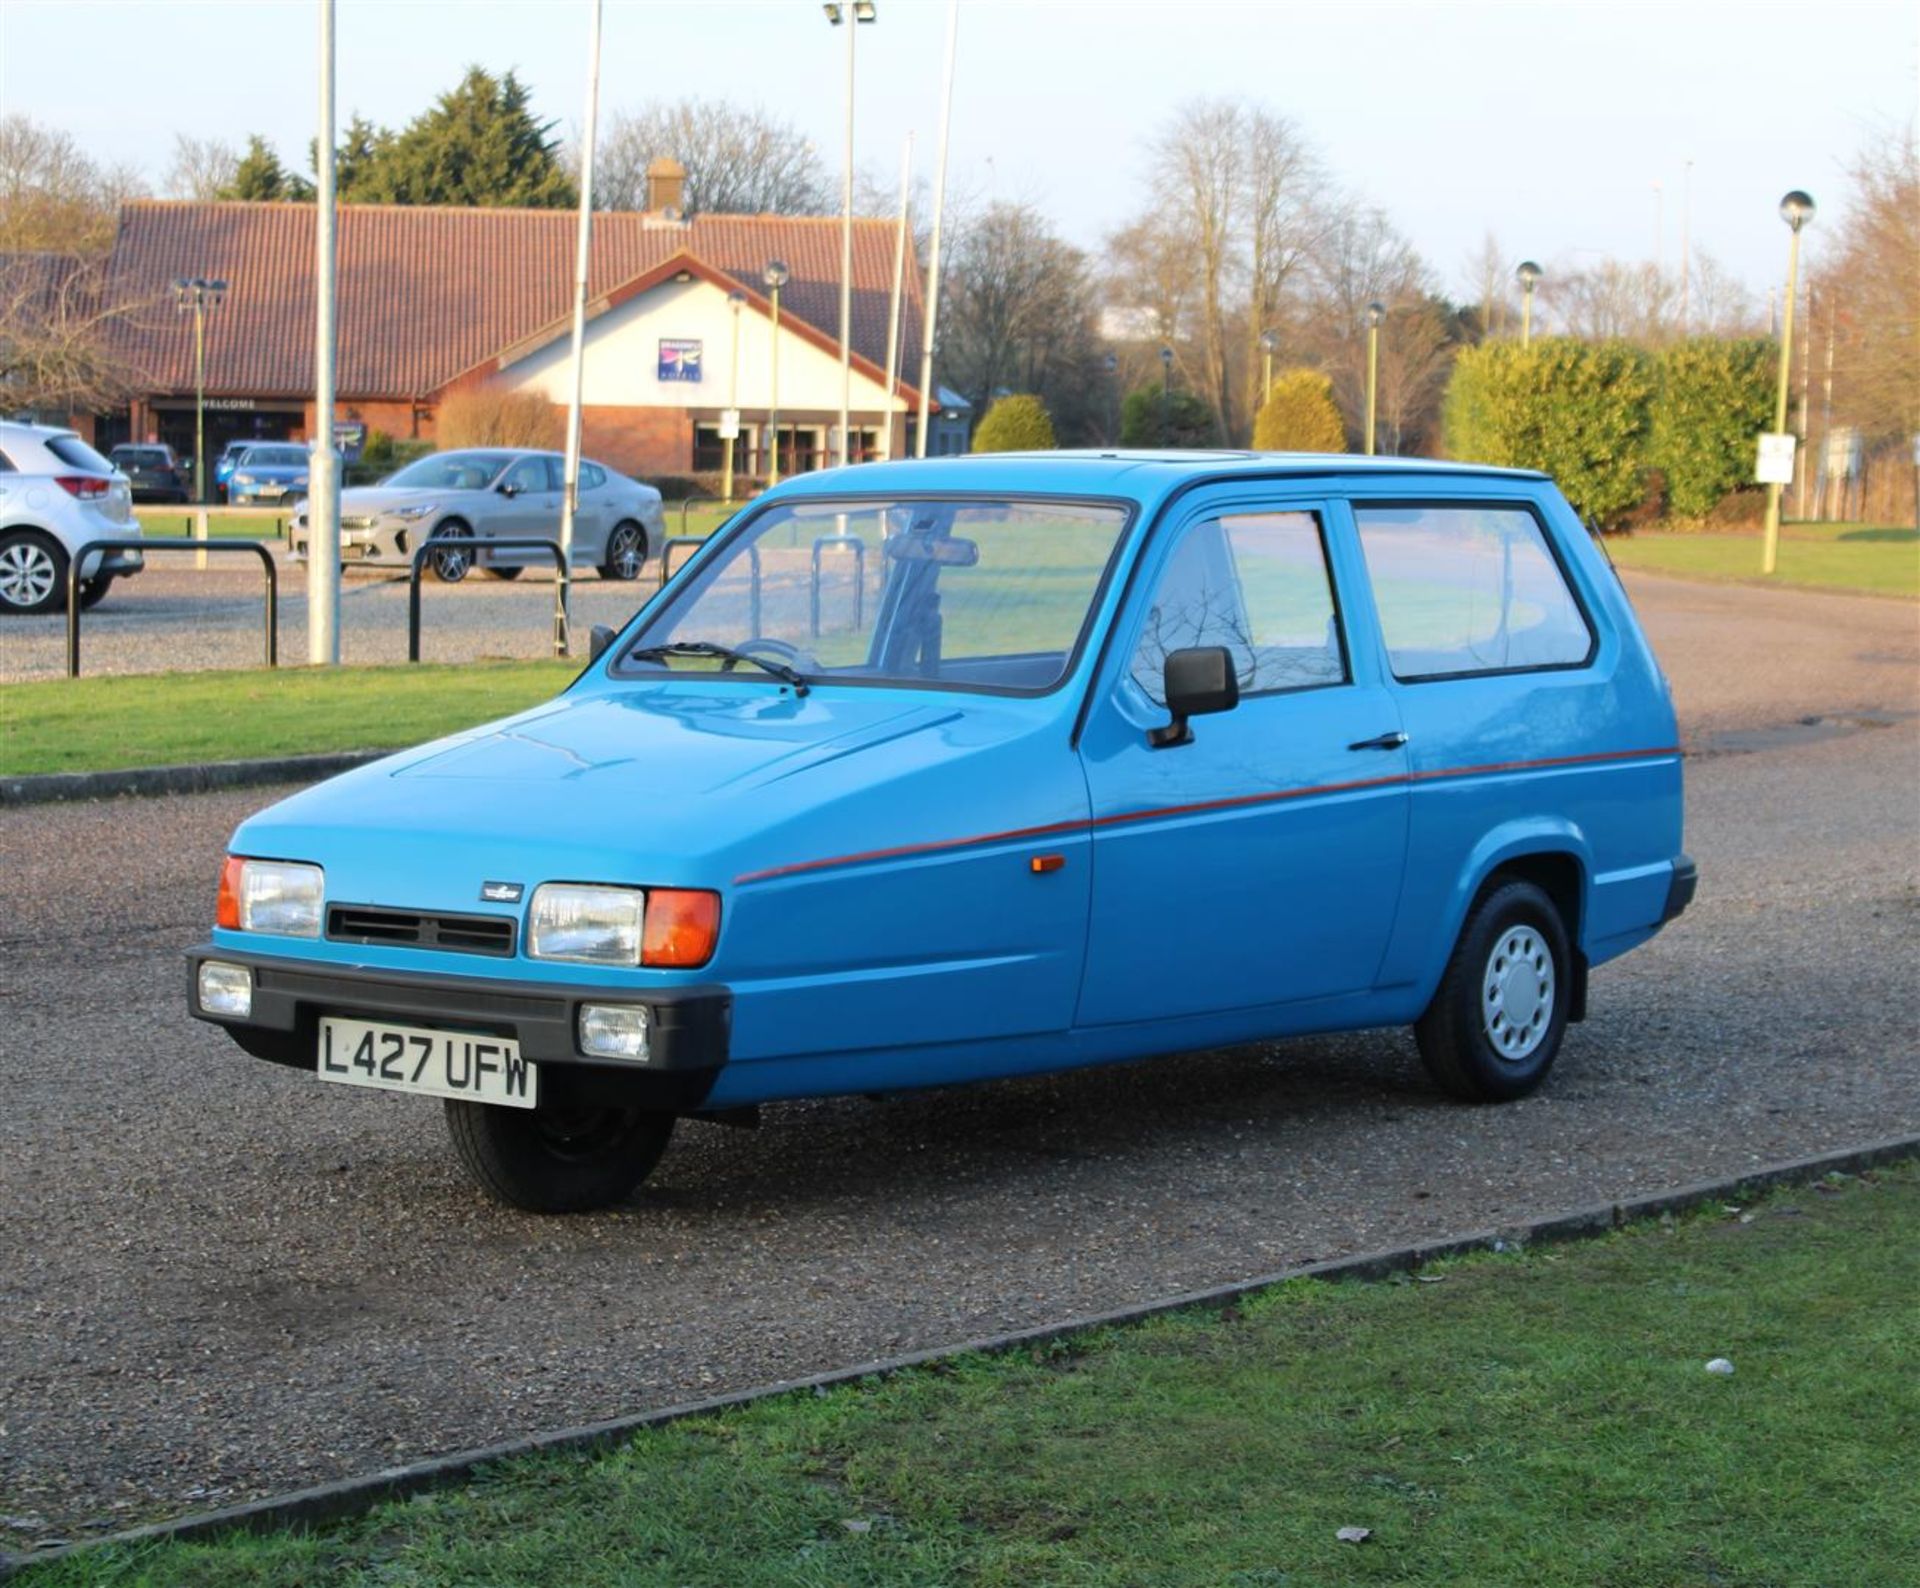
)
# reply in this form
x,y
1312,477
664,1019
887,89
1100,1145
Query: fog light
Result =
x,y
614,1031
226,989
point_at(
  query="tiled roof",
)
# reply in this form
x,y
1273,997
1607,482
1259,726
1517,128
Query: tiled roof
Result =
x,y
425,294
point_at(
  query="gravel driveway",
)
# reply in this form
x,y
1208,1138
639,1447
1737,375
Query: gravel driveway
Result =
x,y
218,1283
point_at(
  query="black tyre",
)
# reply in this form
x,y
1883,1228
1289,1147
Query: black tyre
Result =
x,y
626,551
497,572
454,564
33,572
557,1160
1494,1027
94,591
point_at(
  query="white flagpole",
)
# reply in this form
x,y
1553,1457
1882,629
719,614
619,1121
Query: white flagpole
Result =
x,y
323,474
893,308
932,320
570,498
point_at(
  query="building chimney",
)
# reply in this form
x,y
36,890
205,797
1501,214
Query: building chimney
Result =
x,y
666,186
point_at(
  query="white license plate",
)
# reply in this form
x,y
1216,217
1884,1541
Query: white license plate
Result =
x,y
461,1064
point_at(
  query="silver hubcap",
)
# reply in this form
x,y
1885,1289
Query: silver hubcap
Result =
x,y
1516,995
626,553
451,564
26,573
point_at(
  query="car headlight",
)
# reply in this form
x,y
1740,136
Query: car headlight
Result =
x,y
243,479
278,896
417,510
588,925
591,924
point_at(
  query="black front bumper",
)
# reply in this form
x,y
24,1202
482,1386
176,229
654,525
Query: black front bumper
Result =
x,y
689,1027
1680,891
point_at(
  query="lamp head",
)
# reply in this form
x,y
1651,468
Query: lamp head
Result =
x,y
1376,312
1166,357
1269,341
1796,209
775,275
1528,273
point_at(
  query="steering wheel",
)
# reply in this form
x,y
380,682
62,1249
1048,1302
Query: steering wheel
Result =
x,y
779,650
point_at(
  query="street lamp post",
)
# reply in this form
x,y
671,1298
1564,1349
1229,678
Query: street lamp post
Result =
x,y
1166,390
1529,273
1796,209
1376,312
736,301
1269,344
775,276
1111,364
837,14
198,295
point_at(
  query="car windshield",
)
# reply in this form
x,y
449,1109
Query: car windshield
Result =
x,y
275,458
139,455
452,471
962,594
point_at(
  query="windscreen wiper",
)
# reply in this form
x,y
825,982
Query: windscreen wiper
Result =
x,y
725,653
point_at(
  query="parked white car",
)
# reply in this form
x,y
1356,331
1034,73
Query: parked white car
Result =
x,y
494,493
57,494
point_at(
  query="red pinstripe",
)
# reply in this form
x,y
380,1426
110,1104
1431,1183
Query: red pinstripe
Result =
x,y
1233,802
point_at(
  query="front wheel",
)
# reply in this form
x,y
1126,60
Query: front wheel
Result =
x,y
1494,1027
510,571
557,1160
452,565
93,591
33,572
626,552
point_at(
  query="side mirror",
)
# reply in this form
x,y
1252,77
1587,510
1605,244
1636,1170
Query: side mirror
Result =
x,y
1200,680
507,489
597,644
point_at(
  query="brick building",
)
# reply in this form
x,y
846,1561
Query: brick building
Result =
x,y
433,300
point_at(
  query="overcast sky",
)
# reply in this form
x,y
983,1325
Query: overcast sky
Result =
x,y
1546,121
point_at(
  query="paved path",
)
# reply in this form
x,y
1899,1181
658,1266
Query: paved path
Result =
x,y
216,1282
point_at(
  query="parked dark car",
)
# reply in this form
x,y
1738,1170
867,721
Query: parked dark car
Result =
x,y
153,471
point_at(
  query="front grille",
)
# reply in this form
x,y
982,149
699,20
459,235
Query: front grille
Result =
x,y
454,934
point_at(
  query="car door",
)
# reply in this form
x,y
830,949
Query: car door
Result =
x,y
1259,863
589,511
532,509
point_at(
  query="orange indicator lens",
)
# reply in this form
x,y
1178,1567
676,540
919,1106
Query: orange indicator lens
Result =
x,y
681,927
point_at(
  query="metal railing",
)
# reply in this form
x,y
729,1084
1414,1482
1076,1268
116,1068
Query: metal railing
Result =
x,y
859,548
696,542
439,543
688,504
170,543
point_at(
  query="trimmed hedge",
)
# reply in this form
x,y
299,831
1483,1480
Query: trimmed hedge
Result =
x,y
1189,421
1300,415
1713,398
1018,423
1579,411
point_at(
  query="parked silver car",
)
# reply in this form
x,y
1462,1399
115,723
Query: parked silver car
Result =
x,y
495,493
56,495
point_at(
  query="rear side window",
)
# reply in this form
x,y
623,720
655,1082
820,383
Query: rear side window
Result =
x,y
76,454
1256,583
1469,589
6,464
592,476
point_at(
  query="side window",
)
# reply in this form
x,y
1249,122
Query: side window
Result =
x,y
1469,590
6,464
1256,583
529,474
592,476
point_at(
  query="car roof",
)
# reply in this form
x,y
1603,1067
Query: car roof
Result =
x,y
36,432
1142,474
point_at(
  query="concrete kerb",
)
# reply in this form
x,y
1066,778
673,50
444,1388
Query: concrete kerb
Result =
x,y
201,778
348,1497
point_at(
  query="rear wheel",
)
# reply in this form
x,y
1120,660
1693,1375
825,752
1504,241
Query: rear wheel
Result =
x,y
511,572
1494,1027
452,565
559,1160
33,572
94,591
626,551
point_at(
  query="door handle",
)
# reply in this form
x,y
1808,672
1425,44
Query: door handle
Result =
x,y
1381,741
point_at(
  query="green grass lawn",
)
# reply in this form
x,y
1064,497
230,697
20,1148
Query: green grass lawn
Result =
x,y
1882,561
164,719
1542,1419
264,524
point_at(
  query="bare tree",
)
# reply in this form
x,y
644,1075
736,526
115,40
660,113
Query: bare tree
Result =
x,y
1631,300
53,197
739,162
1018,314
1363,260
1198,166
1284,179
201,167
1875,278
1489,278
56,311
